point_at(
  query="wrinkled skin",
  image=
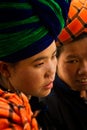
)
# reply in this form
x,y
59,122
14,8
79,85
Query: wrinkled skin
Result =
x,y
72,66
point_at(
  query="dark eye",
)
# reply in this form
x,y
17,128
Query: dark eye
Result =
x,y
73,61
54,56
39,64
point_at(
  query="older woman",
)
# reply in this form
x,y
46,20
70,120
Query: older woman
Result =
x,y
66,106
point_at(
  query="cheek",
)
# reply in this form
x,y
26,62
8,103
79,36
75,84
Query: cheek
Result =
x,y
32,77
29,82
65,72
67,69
33,82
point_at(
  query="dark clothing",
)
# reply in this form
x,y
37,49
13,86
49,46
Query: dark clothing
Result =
x,y
64,109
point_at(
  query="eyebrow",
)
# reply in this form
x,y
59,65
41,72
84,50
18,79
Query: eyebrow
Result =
x,y
72,56
43,57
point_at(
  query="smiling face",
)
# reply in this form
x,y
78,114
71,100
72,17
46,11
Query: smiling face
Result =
x,y
72,64
35,75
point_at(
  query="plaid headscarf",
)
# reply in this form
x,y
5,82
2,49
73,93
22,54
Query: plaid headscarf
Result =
x,y
29,26
15,112
76,22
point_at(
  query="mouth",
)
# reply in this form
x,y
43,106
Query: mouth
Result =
x,y
49,85
84,81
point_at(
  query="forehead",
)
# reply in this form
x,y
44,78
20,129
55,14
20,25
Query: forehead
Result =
x,y
76,45
75,48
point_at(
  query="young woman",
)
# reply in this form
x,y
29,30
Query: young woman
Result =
x,y
28,31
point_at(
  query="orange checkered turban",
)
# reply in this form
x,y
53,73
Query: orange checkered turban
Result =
x,y
76,22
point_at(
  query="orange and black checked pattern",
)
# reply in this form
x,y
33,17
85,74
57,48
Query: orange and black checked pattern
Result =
x,y
76,22
15,112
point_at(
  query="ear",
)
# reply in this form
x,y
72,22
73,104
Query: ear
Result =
x,y
4,69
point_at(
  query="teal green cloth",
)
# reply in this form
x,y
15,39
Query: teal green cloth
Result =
x,y
29,26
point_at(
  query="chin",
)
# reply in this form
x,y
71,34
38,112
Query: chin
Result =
x,y
46,93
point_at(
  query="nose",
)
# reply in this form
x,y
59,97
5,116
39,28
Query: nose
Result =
x,y
51,69
83,68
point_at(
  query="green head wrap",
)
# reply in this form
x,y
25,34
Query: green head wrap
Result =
x,y
29,26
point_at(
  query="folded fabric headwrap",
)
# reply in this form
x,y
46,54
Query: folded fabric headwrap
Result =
x,y
76,22
15,112
29,26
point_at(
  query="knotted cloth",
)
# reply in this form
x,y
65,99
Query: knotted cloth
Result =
x,y
29,26
76,22
15,112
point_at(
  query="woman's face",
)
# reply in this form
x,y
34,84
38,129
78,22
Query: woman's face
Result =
x,y
72,64
35,75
